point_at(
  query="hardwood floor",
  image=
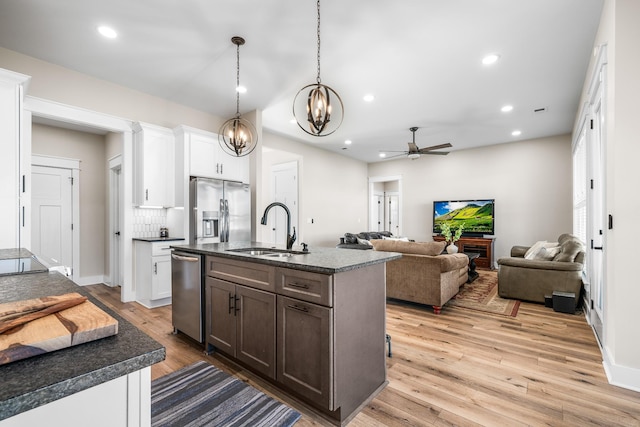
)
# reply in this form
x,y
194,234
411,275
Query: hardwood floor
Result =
x,y
459,368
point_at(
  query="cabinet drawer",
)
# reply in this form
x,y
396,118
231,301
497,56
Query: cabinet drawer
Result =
x,y
162,248
303,285
245,273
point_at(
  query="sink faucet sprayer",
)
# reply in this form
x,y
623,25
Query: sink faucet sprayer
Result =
x,y
290,238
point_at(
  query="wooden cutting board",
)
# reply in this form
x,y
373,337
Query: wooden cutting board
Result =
x,y
76,325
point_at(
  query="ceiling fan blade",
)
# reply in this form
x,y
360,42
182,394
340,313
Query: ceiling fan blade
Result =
x,y
394,151
436,153
434,147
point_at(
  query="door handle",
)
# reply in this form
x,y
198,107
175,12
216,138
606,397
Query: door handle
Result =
x,y
185,258
117,233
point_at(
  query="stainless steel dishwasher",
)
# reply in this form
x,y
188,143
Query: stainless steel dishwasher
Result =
x,y
186,294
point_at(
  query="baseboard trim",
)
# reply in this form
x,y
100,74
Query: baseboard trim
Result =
x,y
89,280
620,376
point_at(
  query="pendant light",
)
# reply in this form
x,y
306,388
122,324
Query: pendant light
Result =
x,y
237,136
317,108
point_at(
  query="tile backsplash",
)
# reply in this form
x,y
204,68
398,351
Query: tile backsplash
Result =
x,y
147,222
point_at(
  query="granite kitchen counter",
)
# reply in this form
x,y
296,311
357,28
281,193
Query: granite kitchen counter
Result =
x,y
35,381
317,260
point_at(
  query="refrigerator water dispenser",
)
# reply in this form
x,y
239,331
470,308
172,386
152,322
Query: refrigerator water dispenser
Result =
x,y
210,223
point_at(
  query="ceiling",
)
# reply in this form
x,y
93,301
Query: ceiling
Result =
x,y
421,59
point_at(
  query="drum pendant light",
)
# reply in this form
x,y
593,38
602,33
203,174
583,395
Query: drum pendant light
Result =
x,y
237,136
317,108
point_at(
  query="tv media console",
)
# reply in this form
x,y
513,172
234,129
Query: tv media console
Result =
x,y
480,245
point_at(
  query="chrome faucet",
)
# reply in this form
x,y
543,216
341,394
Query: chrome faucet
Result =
x,y
290,238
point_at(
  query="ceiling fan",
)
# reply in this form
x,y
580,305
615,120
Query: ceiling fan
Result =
x,y
414,152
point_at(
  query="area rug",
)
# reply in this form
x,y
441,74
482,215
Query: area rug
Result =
x,y
202,395
482,295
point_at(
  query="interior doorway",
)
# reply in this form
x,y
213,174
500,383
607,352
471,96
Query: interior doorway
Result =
x,y
284,187
385,207
54,212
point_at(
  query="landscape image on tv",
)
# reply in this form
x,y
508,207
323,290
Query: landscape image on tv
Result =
x,y
476,215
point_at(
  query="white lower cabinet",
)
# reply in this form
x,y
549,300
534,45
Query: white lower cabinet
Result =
x,y
122,402
152,265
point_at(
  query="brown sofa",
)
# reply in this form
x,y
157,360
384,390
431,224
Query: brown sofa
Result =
x,y
423,275
550,268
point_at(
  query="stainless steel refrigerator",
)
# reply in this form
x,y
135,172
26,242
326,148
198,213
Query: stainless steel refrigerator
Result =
x,y
221,211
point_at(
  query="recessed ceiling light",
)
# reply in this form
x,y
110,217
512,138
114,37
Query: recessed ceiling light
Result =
x,y
107,32
382,155
507,108
369,98
348,142
241,89
490,59
516,133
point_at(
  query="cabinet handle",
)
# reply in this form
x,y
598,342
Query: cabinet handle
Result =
x,y
217,167
299,285
231,301
221,171
303,309
146,194
235,303
155,268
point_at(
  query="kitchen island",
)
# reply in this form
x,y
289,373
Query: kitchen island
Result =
x,y
312,323
99,383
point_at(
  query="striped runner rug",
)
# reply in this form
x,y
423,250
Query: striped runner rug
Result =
x,y
203,395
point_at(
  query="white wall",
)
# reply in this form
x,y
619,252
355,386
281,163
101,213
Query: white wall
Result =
x,y
530,181
332,190
90,150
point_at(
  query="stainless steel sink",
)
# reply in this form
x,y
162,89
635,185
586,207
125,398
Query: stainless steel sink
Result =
x,y
272,252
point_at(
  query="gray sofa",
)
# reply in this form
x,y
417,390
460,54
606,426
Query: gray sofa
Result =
x,y
361,240
545,272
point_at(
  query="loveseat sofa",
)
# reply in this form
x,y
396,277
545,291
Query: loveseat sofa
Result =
x,y
531,273
423,275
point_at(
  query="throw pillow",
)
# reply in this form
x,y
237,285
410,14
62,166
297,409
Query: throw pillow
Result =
x,y
547,254
364,242
533,250
350,238
399,239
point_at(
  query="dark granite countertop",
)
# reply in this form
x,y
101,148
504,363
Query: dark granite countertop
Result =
x,y
32,382
158,239
318,260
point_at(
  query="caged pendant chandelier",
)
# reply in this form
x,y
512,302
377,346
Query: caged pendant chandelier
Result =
x,y
317,108
237,136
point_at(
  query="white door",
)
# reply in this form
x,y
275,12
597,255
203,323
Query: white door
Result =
x,y
377,212
596,219
51,214
115,217
393,213
284,187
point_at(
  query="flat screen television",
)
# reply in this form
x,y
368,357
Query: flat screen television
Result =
x,y
476,215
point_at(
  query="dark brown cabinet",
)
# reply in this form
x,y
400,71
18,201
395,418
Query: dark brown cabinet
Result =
x,y
241,322
320,337
480,245
305,364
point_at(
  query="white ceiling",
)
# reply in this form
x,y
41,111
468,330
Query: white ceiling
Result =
x,y
420,58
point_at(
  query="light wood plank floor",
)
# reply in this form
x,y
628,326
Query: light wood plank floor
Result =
x,y
459,368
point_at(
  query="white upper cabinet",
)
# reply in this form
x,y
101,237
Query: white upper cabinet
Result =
x,y
154,166
206,158
16,155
